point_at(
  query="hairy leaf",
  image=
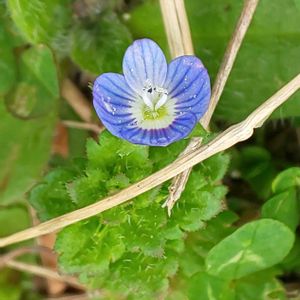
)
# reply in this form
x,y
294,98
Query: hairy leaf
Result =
x,y
99,47
123,246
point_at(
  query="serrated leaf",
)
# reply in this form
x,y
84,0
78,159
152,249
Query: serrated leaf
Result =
x,y
216,166
99,48
133,246
284,208
51,198
93,247
247,250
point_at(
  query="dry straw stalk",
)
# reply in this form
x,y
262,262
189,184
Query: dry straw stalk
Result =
x,y
178,183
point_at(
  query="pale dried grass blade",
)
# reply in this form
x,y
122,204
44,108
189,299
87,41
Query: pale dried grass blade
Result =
x,y
176,27
179,182
43,272
76,100
84,126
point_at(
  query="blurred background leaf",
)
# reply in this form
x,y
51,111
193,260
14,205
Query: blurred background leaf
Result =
x,y
24,154
37,91
99,46
8,217
41,21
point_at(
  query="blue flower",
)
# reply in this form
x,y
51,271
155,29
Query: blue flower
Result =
x,y
153,103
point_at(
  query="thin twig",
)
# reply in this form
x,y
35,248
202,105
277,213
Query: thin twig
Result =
x,y
177,27
223,141
230,56
43,272
47,255
76,100
8,260
21,251
85,126
178,183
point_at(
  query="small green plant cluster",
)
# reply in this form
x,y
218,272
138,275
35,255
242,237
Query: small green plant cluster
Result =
x,y
133,249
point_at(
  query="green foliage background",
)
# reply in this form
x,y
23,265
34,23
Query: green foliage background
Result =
x,y
219,243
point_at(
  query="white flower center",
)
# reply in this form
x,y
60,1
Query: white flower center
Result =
x,y
153,108
154,97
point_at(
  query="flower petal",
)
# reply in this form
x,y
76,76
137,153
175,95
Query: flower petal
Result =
x,y
112,99
188,82
179,129
144,62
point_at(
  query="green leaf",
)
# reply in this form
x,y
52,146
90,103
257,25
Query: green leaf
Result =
x,y
54,189
209,287
284,208
7,61
153,28
9,290
135,246
286,179
37,90
24,156
8,217
257,168
43,21
292,262
248,249
92,251
99,47
297,3
261,285
268,58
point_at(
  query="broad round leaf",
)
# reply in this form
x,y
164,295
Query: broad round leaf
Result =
x,y
255,246
207,287
286,179
284,208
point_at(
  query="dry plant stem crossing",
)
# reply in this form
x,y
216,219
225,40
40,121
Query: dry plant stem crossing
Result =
x,y
43,272
85,126
8,260
179,182
176,27
76,100
234,134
